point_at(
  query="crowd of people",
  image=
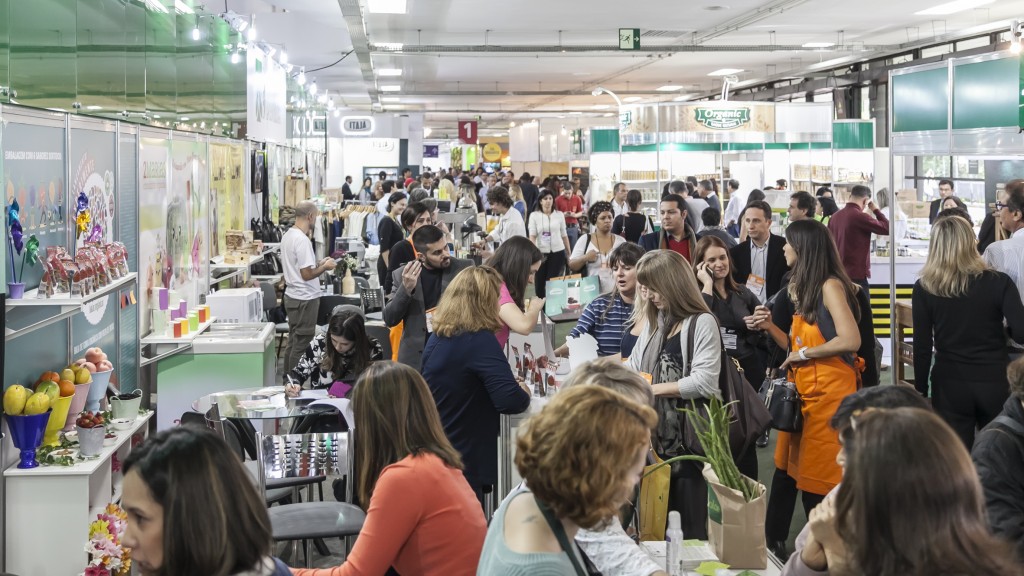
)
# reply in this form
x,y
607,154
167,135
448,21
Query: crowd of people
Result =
x,y
676,298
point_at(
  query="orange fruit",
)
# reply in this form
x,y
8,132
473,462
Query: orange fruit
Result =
x,y
67,387
53,376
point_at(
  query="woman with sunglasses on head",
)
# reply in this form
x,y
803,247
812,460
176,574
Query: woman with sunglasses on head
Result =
x,y
339,355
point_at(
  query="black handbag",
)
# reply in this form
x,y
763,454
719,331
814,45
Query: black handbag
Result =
x,y
783,402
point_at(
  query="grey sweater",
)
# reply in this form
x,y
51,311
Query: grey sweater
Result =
x,y
706,364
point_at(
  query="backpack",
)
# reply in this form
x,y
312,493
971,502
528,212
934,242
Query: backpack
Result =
x,y
750,416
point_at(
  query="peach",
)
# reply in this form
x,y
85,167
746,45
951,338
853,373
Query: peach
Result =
x,y
90,367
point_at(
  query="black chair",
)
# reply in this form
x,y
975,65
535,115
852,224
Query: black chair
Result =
x,y
326,307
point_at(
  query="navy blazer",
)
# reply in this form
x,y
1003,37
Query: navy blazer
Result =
x,y
472,384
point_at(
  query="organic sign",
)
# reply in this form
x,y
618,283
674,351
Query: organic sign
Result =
x,y
722,118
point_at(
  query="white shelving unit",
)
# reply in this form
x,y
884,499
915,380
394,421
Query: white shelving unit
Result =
x,y
63,306
163,346
49,508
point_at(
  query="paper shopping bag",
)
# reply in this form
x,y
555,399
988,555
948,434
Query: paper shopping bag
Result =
x,y
735,526
569,295
653,504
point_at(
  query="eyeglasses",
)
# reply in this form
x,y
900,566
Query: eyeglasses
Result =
x,y
1000,205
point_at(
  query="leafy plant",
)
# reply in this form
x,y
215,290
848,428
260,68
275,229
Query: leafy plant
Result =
x,y
713,434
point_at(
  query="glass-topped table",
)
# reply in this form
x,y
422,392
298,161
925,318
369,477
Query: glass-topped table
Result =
x,y
269,403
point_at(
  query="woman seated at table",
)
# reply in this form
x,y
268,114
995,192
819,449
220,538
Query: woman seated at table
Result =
x,y
422,518
534,529
605,318
194,509
339,355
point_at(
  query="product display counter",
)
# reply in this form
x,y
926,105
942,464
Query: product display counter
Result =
x,y
882,299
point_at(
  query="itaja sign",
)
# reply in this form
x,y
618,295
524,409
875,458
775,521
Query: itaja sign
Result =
x,y
722,118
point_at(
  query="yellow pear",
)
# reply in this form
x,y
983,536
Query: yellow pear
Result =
x,y
82,377
67,374
37,404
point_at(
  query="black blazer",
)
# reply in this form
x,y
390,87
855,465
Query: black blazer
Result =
x,y
775,267
934,209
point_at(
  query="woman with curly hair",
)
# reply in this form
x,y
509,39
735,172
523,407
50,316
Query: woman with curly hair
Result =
x,y
533,531
590,255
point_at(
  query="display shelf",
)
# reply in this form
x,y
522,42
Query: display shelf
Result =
x,y
31,297
68,306
217,263
60,502
187,339
273,278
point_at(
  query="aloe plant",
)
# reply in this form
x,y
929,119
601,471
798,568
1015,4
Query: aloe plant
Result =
x,y
713,434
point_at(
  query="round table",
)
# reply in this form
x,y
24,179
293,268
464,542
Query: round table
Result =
x,y
263,404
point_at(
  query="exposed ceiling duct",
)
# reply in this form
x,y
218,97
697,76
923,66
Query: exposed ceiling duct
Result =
x,y
353,15
391,49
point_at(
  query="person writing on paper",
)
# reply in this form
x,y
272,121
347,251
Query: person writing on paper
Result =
x,y
606,317
517,261
590,255
421,516
339,355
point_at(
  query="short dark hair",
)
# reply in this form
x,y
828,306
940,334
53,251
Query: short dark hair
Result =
x,y
395,198
634,198
412,212
759,205
425,236
781,183
951,212
627,253
387,186
860,191
734,184
706,184
1015,375
947,182
692,180
822,191
499,195
805,202
1015,195
679,200
756,195
711,216
677,187
215,522
877,397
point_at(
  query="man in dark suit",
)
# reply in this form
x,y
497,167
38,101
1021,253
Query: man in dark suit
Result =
x,y
417,288
530,192
945,191
346,189
759,262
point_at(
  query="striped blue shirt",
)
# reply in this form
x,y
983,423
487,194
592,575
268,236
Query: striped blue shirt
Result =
x,y
607,331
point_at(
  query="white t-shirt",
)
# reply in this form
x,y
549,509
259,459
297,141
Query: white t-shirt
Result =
x,y
548,230
600,267
296,254
511,224
382,204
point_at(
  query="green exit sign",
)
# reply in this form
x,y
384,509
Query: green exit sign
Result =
x,y
629,38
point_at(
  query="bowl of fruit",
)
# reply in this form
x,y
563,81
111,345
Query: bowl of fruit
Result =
x,y
90,433
27,415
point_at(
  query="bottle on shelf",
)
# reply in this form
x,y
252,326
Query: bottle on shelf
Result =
x,y
674,545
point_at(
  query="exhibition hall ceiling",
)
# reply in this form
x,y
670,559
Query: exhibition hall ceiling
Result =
x,y
511,60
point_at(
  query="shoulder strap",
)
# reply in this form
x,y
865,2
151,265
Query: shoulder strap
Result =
x,y
1012,424
691,333
563,540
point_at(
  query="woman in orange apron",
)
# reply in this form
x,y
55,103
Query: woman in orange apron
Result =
x,y
822,340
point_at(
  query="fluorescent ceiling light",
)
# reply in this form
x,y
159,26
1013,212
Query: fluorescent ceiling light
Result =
x,y
182,8
389,72
607,114
632,99
670,88
952,7
682,98
94,107
390,99
601,106
819,44
184,118
390,46
725,72
575,113
391,88
156,6
386,6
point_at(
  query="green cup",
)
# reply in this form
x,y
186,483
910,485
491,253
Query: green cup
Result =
x,y
193,321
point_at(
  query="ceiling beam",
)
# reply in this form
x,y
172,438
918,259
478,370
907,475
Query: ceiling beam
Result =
x,y
353,15
391,50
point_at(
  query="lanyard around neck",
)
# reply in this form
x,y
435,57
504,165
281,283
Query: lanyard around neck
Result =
x,y
563,539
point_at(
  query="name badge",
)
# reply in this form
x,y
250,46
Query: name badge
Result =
x,y
430,320
729,337
755,284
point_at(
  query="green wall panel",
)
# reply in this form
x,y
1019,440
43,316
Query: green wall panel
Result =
x,y
853,135
920,101
604,140
985,94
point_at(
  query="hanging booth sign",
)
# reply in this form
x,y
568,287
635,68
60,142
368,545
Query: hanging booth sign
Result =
x,y
492,152
467,132
430,150
357,125
266,93
718,117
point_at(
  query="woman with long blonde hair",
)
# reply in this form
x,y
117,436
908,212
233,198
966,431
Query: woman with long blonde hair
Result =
x,y
468,373
672,307
959,305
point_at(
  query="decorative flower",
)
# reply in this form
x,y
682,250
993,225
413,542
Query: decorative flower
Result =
x,y
13,213
96,571
31,252
107,556
83,219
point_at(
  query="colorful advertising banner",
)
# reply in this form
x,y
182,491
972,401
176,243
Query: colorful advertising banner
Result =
x,y
34,176
227,192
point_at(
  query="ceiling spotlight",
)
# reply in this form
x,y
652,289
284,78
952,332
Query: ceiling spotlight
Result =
x,y
389,72
512,124
337,112
427,131
252,29
301,79
236,57
1016,33
196,35
283,59
391,88
182,8
312,88
632,99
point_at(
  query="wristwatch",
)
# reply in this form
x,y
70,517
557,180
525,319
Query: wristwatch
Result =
x,y
802,353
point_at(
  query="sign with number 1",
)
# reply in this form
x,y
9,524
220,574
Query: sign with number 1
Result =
x,y
467,132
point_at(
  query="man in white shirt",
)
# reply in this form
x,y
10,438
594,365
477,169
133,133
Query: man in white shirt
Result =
x,y
619,205
301,276
737,200
382,205
491,182
511,222
1008,255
